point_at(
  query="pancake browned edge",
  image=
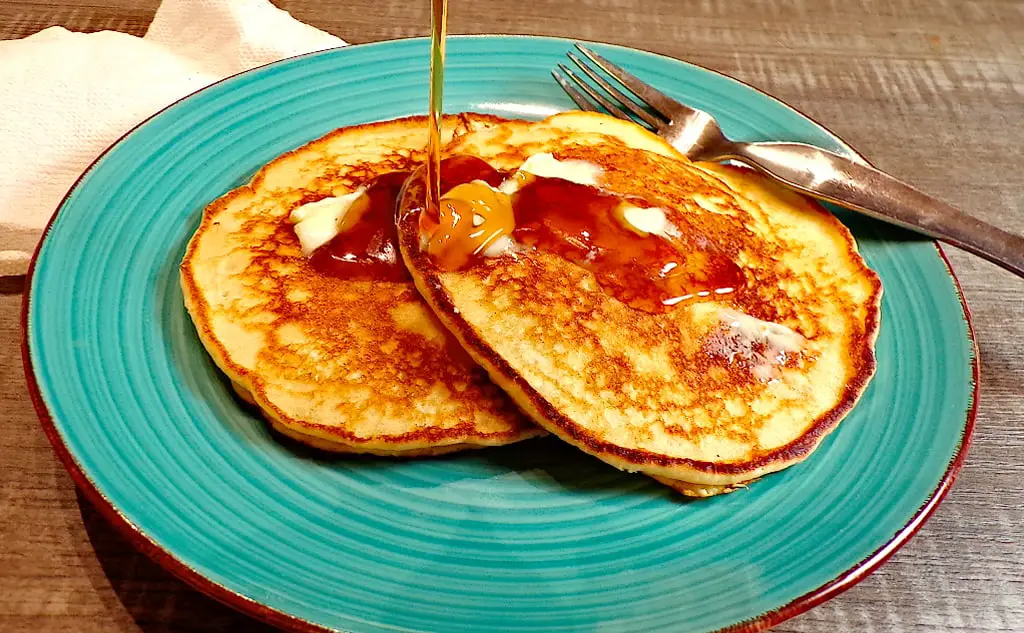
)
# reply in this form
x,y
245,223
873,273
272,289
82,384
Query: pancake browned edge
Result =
x,y
682,396
349,366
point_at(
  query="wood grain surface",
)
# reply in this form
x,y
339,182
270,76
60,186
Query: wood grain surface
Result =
x,y
931,90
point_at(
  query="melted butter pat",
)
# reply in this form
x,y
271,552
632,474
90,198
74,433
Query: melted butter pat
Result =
x,y
317,223
474,219
645,221
763,344
501,245
545,165
774,334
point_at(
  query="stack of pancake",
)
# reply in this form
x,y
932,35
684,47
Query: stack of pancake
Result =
x,y
705,397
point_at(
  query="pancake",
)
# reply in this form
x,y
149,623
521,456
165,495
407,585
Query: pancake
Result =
x,y
357,366
705,396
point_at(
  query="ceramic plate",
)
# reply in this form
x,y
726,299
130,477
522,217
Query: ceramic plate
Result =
x,y
533,537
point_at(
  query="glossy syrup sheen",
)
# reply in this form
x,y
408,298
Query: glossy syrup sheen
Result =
x,y
369,249
577,222
649,272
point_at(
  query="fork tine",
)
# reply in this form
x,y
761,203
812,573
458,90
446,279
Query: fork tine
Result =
x,y
605,102
574,94
659,101
622,97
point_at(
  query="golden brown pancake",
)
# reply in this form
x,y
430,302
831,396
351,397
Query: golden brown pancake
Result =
x,y
708,395
352,366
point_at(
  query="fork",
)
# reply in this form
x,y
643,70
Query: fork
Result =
x,y
810,170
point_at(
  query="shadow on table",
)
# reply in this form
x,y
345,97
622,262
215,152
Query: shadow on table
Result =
x,y
156,600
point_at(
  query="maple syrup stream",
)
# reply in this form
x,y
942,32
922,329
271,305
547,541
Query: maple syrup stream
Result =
x,y
438,33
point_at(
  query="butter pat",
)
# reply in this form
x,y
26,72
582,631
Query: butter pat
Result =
x,y
500,246
763,344
317,223
545,165
776,336
645,221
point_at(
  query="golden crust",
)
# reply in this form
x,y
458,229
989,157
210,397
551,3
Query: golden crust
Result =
x,y
641,391
353,366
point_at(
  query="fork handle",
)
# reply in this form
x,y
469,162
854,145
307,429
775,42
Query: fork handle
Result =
x,y
834,178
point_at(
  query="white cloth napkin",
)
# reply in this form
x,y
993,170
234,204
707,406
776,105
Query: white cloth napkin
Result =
x,y
65,97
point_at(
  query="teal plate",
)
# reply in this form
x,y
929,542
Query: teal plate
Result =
x,y
534,537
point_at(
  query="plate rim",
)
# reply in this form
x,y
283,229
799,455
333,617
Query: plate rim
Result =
x,y
287,621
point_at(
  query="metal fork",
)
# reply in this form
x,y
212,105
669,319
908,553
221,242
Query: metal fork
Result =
x,y
805,168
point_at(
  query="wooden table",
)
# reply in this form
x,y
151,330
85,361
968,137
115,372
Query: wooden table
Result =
x,y
930,90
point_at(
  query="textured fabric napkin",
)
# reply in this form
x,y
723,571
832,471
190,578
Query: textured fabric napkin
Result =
x,y
65,97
